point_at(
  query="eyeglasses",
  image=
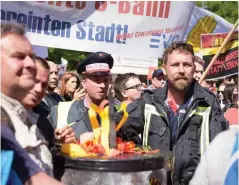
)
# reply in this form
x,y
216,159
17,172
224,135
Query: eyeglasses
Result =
x,y
137,87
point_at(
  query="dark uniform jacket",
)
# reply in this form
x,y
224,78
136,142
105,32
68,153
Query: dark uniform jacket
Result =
x,y
45,105
186,147
46,128
78,113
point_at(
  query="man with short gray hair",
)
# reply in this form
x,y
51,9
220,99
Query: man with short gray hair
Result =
x,y
18,75
17,62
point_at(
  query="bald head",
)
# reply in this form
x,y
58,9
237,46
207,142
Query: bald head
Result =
x,y
53,80
50,63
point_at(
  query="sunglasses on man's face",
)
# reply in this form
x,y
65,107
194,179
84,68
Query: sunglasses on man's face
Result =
x,y
137,87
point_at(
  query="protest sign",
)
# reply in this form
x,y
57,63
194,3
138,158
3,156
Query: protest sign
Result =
x,y
203,21
128,28
227,62
126,64
62,67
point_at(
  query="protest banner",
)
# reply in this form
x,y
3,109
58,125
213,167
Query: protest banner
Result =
x,y
62,67
126,64
203,21
40,51
226,63
128,28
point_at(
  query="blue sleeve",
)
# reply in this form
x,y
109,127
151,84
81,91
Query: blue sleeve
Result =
x,y
22,164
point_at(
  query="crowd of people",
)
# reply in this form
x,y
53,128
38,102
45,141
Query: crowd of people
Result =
x,y
175,113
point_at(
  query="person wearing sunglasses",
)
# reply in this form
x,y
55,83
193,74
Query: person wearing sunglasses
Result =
x,y
128,87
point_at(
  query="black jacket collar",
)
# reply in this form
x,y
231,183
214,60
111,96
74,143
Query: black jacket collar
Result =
x,y
195,90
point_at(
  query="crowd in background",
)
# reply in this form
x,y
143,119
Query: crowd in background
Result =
x,y
128,87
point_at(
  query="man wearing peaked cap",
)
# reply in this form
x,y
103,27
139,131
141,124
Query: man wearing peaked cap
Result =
x,y
96,77
96,64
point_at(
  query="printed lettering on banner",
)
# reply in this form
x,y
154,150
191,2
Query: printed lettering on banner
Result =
x,y
127,28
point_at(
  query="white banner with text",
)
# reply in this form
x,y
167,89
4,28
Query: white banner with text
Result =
x,y
128,28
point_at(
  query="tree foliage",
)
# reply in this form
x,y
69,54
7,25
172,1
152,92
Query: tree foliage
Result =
x,y
226,9
73,57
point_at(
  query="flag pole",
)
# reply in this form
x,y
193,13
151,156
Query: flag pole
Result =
x,y
218,52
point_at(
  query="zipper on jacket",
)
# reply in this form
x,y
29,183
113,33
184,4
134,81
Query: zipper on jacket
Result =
x,y
187,116
174,146
161,109
180,125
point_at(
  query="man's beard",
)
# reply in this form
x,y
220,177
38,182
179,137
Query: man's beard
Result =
x,y
181,84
